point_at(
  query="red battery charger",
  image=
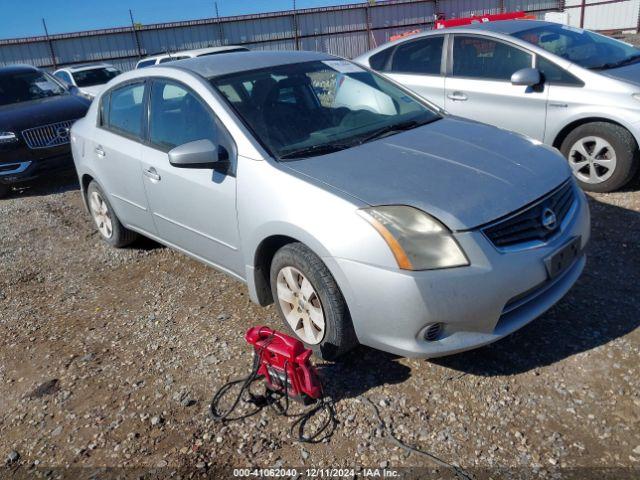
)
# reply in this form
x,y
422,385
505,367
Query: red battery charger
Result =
x,y
284,363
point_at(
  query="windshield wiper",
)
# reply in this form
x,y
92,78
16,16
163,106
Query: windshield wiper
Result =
x,y
626,61
314,150
396,127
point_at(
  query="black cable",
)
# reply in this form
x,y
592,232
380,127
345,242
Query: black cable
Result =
x,y
458,471
246,384
272,398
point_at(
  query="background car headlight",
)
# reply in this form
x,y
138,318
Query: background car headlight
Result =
x,y
8,137
417,240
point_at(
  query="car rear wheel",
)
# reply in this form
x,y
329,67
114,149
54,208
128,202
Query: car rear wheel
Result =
x,y
603,156
310,303
4,190
105,219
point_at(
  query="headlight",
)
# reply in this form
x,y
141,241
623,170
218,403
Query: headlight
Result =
x,y
8,137
417,240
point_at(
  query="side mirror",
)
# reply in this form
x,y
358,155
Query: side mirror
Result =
x,y
198,154
527,77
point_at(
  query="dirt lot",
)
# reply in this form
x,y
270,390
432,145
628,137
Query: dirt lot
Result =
x,y
108,358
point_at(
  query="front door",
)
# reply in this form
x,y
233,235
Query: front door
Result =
x,y
193,208
478,86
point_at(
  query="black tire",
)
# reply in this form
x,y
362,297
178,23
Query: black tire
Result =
x,y
4,190
339,336
624,145
120,236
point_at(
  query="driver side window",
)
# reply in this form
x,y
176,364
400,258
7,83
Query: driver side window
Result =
x,y
487,59
178,116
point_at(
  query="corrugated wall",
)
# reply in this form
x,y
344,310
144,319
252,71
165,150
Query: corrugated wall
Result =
x,y
603,15
347,30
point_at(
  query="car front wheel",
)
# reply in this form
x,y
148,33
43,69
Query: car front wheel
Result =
x,y
105,219
603,156
310,303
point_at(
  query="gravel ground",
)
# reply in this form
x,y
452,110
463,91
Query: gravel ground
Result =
x,y
108,358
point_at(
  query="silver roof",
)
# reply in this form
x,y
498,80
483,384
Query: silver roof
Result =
x,y
507,27
218,65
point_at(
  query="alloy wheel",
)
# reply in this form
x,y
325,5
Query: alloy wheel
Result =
x,y
592,159
101,214
301,305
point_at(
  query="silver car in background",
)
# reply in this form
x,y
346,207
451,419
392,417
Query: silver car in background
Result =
x,y
569,88
364,212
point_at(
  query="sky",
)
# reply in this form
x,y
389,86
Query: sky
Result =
x,y
23,18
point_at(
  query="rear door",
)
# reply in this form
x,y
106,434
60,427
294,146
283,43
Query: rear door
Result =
x,y
193,208
116,148
417,64
478,85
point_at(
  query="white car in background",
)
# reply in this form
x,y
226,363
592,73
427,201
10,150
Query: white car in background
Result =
x,y
88,79
201,52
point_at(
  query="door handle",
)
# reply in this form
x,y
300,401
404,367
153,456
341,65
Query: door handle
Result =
x,y
100,152
457,96
152,174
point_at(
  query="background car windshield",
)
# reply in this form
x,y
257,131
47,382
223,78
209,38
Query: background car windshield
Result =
x,y
307,106
95,76
27,86
587,49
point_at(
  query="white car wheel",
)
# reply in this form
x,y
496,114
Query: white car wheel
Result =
x,y
309,301
592,159
109,226
300,305
101,214
603,156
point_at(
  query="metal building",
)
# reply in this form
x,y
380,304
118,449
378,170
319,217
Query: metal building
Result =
x,y
346,30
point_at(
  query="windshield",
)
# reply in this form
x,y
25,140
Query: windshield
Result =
x,y
26,86
312,108
95,76
587,49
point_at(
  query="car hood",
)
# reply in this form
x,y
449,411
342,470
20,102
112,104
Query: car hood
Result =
x,y
628,73
464,173
19,116
93,90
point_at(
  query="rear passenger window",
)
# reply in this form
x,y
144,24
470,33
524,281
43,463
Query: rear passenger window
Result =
x,y
178,116
146,63
483,58
104,110
418,56
124,114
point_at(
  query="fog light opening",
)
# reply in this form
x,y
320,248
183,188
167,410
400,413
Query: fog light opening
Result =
x,y
433,332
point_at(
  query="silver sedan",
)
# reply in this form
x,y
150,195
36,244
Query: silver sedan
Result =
x,y
367,214
569,88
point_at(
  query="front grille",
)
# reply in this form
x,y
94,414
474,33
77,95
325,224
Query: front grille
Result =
x,y
47,136
528,225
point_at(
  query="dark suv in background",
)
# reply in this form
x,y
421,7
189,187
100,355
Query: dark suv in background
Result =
x,y
36,113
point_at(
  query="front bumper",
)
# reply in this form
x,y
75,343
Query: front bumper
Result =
x,y
15,172
498,293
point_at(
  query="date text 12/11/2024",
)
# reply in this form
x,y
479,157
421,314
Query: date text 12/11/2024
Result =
x,y
314,472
